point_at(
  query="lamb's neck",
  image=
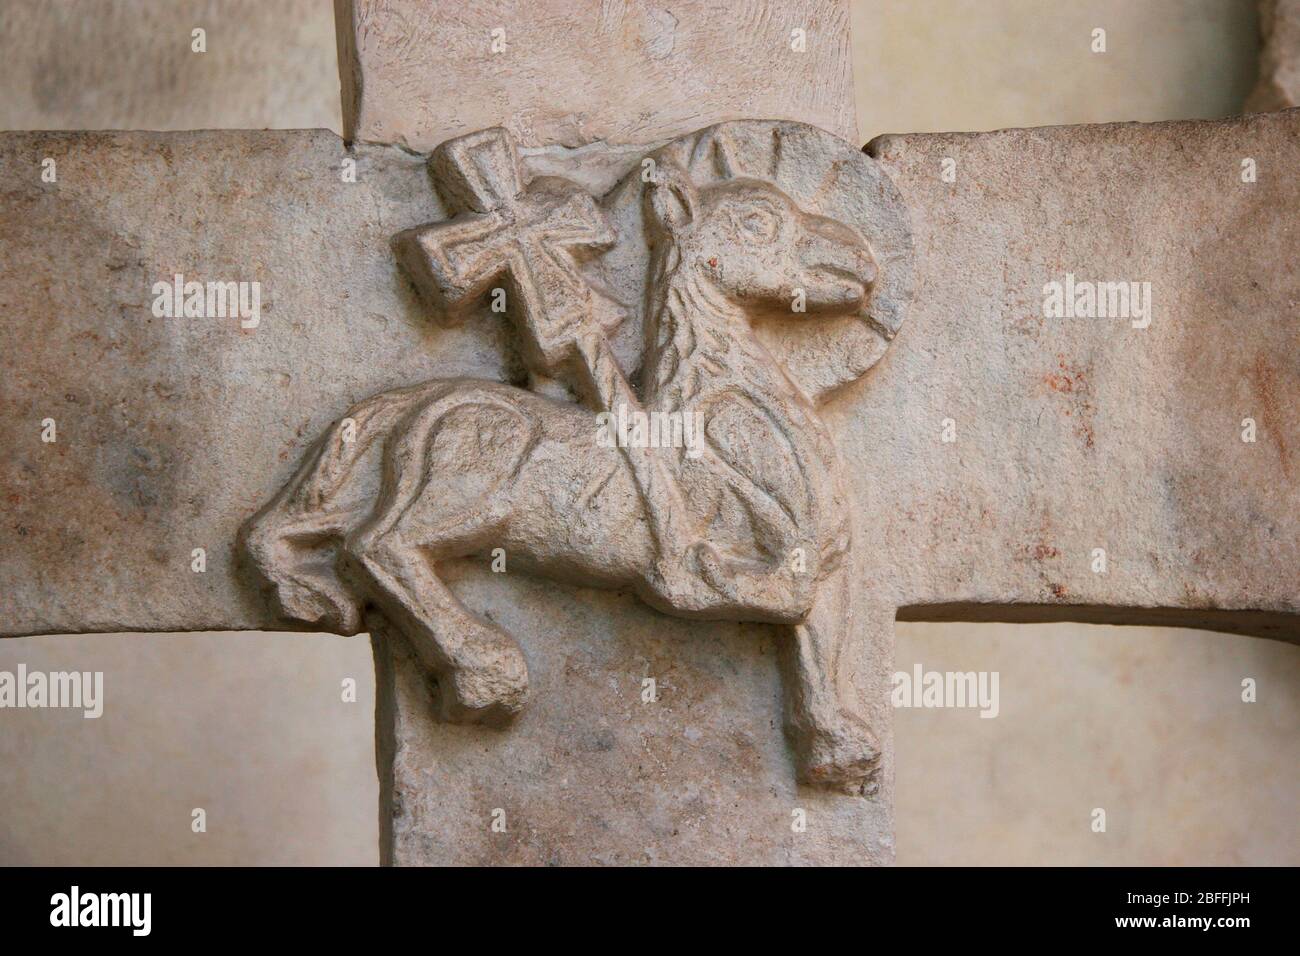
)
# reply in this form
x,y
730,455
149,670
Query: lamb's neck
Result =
x,y
701,340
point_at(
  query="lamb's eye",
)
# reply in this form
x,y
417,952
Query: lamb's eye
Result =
x,y
758,222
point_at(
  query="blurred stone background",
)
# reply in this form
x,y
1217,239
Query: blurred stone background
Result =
x,y
1146,723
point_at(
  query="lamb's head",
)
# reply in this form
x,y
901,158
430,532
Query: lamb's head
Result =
x,y
757,247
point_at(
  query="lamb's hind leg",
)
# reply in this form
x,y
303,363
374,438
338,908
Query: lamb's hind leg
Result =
x,y
478,669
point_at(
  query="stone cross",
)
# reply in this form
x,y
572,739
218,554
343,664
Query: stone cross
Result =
x,y
1008,459
499,228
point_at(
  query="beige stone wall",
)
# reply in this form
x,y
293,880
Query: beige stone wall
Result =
x,y
1145,723
130,64
945,65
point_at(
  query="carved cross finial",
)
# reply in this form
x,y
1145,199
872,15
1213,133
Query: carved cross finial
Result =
x,y
501,231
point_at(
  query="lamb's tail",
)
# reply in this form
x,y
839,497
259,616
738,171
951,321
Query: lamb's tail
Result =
x,y
293,541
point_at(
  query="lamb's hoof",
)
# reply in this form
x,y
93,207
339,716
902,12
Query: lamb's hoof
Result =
x,y
843,758
488,685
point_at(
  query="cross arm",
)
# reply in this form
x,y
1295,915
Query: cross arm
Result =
x,y
170,431
1071,435
1099,470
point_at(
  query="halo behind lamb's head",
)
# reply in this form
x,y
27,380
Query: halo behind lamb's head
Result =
x,y
830,181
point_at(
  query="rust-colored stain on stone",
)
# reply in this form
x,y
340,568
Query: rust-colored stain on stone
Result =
x,y
1073,380
1059,383
1264,378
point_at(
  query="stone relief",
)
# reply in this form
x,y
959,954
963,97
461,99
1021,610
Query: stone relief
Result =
x,y
679,331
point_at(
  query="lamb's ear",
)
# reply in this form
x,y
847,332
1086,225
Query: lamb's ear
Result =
x,y
672,197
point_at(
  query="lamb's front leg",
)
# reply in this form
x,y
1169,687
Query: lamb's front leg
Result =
x,y
825,635
827,725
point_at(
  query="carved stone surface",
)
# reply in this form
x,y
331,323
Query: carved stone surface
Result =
x,y
707,238
1279,59
542,69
